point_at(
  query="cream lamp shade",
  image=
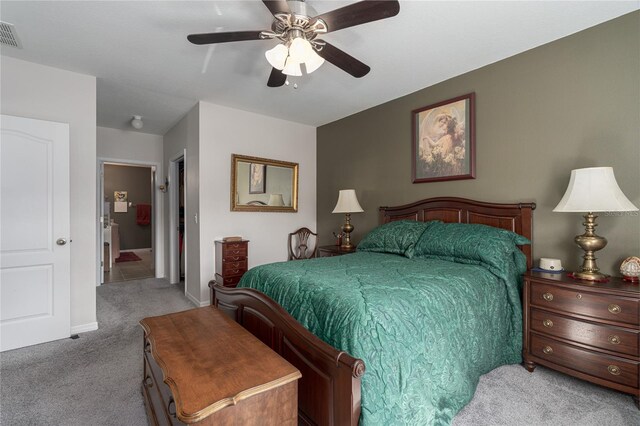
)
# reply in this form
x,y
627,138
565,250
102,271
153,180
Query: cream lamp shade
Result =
x,y
275,200
594,190
347,202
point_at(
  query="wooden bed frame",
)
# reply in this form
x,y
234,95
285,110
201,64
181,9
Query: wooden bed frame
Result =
x,y
329,391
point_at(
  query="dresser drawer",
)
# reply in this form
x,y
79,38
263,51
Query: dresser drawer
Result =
x,y
613,369
590,304
228,281
163,390
234,268
234,249
235,257
159,393
614,339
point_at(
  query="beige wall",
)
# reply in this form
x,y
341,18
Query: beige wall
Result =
x,y
185,135
45,93
572,103
225,131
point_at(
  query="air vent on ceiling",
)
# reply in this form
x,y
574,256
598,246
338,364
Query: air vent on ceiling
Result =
x,y
8,35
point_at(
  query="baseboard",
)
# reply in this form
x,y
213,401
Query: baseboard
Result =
x,y
92,326
195,301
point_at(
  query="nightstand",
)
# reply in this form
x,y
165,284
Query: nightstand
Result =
x,y
330,251
587,330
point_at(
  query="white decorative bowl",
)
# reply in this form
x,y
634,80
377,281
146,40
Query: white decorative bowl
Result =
x,y
630,268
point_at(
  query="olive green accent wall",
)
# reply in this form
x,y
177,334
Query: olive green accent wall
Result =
x,y
137,182
569,104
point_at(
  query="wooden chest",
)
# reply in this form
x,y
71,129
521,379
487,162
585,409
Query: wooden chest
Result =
x,y
231,261
588,330
201,367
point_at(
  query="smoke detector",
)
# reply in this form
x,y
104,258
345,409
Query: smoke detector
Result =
x,y
9,36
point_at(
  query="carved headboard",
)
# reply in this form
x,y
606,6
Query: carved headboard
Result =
x,y
517,218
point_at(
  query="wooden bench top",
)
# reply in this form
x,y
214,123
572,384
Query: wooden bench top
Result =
x,y
210,362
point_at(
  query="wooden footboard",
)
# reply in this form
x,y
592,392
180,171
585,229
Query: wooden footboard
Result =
x,y
329,391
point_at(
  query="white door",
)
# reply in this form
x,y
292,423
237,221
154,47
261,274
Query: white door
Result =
x,y
34,232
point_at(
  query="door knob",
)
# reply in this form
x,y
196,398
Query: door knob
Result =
x,y
61,241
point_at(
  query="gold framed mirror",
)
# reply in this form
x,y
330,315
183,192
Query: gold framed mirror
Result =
x,y
263,185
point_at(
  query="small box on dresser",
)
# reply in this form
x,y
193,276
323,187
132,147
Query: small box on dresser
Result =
x,y
231,261
584,329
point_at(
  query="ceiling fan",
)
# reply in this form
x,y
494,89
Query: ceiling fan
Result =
x,y
297,27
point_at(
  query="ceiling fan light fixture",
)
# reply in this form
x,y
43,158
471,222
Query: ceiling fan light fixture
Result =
x,y
313,63
300,50
277,56
292,68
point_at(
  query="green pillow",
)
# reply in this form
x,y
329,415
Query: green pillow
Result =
x,y
474,243
397,237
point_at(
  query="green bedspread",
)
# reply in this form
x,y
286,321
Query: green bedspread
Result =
x,y
427,329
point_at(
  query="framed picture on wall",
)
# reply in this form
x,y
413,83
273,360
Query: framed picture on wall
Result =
x,y
257,178
120,196
443,143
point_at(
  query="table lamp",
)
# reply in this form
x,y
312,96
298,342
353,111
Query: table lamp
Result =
x,y
275,200
590,190
347,204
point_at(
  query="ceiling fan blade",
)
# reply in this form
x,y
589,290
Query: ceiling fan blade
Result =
x,y
277,78
359,13
210,38
277,6
343,60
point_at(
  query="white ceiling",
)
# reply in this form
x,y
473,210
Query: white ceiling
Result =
x,y
139,52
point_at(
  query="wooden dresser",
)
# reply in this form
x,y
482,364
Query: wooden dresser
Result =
x,y
588,330
201,367
231,261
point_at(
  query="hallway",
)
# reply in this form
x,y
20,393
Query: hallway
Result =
x,y
132,270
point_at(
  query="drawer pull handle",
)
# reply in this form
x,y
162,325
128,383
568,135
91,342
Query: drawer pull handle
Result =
x,y
148,381
614,309
547,323
548,297
614,369
235,271
578,296
171,413
547,350
614,340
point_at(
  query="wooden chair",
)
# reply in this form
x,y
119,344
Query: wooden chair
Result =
x,y
299,247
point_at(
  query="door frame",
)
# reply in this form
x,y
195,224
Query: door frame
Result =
x,y
174,254
157,217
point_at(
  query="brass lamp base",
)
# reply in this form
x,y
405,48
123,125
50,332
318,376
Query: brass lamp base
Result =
x,y
590,276
590,243
347,229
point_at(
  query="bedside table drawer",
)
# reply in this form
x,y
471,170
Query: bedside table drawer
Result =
x,y
601,336
606,367
584,303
